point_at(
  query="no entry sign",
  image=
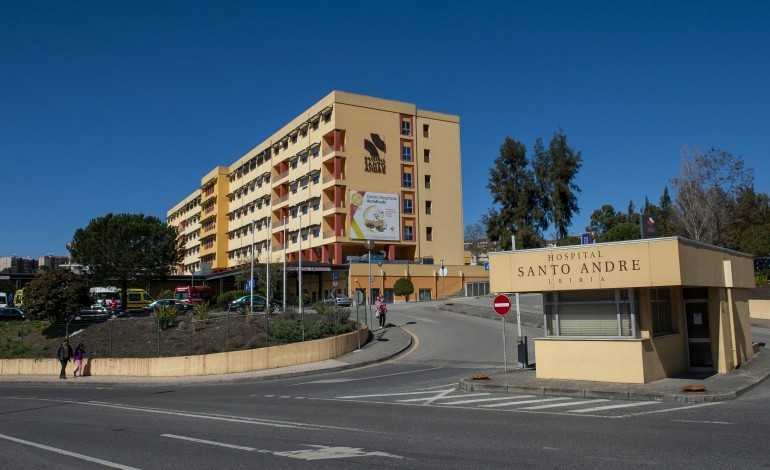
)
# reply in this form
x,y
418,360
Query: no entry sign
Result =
x,y
502,305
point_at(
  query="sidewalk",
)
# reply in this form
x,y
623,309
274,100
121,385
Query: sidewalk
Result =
x,y
718,387
383,344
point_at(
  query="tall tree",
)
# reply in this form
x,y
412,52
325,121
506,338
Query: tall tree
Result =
x,y
706,189
124,248
605,219
514,191
556,170
751,215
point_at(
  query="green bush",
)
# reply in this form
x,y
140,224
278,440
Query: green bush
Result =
x,y
165,294
203,310
225,298
165,316
335,315
761,278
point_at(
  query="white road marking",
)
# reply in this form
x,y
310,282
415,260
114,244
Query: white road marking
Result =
x,y
68,453
613,407
213,443
699,405
326,452
399,394
541,400
365,378
418,318
316,452
699,422
442,396
438,386
477,400
558,405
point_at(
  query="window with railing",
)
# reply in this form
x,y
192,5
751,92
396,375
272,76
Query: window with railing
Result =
x,y
408,233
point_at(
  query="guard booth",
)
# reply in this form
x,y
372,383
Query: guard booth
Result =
x,y
636,311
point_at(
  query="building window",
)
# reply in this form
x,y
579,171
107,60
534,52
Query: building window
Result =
x,y
304,209
294,237
429,234
426,155
427,181
407,206
408,233
426,130
592,313
294,164
406,127
407,180
316,232
327,117
406,152
425,294
316,204
428,207
294,188
293,212
660,307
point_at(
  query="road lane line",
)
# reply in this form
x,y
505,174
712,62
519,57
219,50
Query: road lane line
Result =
x,y
699,422
398,394
213,443
668,410
558,405
478,400
68,453
540,400
614,407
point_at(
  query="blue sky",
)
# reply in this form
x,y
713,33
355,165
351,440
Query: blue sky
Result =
x,y
124,106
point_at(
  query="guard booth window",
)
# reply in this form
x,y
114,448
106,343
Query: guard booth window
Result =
x,y
595,313
425,294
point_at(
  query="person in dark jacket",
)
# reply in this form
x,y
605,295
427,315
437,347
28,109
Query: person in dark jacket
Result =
x,y
64,355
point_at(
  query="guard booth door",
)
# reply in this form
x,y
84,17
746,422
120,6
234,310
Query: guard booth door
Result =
x,y
696,309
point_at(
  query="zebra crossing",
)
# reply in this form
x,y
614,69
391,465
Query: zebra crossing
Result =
x,y
452,397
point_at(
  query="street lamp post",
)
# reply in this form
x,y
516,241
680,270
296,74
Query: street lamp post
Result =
x,y
69,258
369,245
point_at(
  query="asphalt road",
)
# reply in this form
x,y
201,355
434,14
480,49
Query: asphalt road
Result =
x,y
405,413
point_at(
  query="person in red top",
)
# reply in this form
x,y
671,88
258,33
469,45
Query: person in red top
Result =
x,y
114,304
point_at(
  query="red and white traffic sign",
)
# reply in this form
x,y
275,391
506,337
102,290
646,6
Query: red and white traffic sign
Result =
x,y
502,305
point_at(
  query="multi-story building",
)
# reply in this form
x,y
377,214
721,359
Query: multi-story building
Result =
x,y
349,169
14,264
52,261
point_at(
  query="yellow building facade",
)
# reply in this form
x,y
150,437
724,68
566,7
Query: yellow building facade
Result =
x,y
350,168
637,311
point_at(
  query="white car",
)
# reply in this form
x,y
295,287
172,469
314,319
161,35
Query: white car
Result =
x,y
338,300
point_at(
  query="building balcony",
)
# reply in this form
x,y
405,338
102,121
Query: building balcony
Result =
x,y
281,176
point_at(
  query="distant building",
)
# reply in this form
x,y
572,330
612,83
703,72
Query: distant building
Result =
x,y
52,261
14,264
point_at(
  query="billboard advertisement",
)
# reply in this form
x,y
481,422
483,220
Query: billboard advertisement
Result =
x,y
374,216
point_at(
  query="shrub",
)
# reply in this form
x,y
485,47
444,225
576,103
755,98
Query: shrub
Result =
x,y
403,287
319,308
54,295
335,315
225,298
203,310
165,316
760,278
165,294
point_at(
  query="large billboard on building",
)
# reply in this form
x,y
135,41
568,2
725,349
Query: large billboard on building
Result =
x,y
374,216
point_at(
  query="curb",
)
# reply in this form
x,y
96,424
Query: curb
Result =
x,y
223,378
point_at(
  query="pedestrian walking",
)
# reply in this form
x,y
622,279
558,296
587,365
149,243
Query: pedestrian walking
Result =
x,y
80,352
382,311
377,303
64,355
114,304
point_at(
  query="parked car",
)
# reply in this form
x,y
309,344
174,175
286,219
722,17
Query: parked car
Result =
x,y
337,300
11,314
241,304
94,313
182,306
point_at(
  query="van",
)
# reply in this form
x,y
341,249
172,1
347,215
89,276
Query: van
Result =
x,y
3,300
137,299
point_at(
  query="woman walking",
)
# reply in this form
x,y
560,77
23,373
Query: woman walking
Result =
x,y
80,351
382,310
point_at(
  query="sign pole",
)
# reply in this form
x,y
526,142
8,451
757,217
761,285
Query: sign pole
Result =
x,y
501,306
505,354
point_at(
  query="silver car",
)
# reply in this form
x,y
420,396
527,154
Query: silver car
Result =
x,y
338,300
